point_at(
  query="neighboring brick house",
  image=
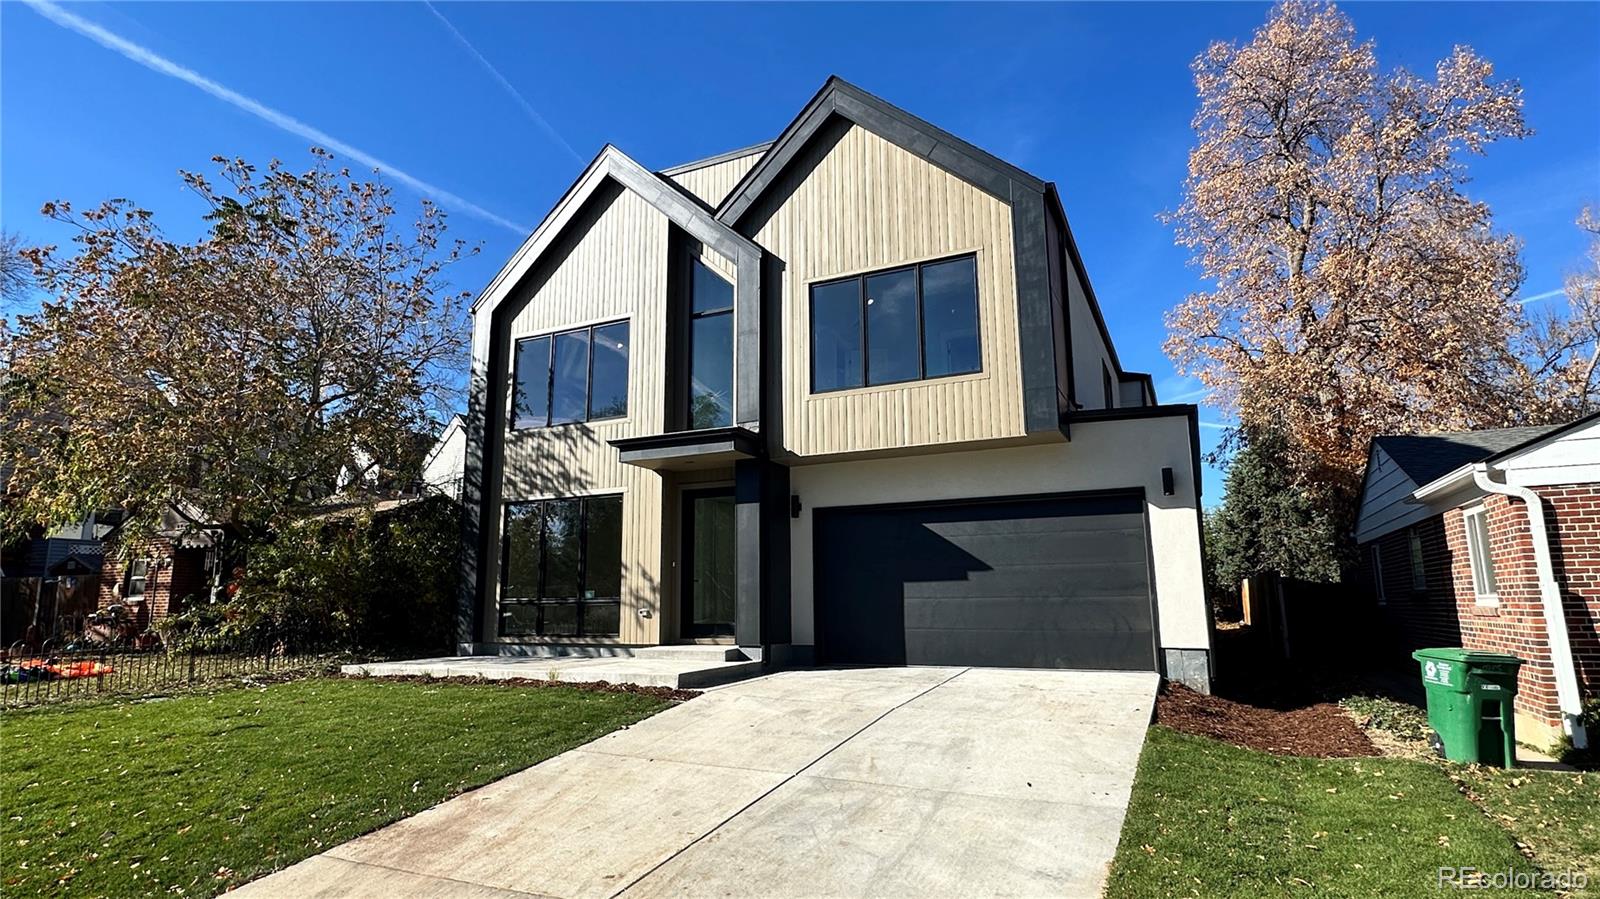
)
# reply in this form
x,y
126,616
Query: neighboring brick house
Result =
x,y
1452,555
154,575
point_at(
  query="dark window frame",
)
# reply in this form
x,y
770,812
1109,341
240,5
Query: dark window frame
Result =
x,y
1107,383
866,326
688,342
579,603
550,377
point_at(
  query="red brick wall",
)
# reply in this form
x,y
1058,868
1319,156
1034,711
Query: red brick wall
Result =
x,y
1447,612
173,575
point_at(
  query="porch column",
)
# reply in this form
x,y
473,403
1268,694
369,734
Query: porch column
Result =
x,y
761,554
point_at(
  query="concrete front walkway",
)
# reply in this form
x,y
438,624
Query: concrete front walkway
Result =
x,y
866,782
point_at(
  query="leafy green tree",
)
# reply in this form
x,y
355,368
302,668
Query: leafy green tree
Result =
x,y
1268,523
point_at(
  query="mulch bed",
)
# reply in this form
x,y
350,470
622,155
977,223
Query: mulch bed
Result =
x,y
670,694
1321,730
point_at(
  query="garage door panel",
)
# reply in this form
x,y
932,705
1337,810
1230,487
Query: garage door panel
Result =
x,y
1029,649
1100,614
1010,583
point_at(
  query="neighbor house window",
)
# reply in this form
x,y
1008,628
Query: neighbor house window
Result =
x,y
1419,569
578,375
710,349
562,573
1105,374
1377,574
138,575
1479,557
906,324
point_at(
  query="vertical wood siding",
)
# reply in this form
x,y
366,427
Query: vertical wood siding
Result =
x,y
711,183
616,269
860,203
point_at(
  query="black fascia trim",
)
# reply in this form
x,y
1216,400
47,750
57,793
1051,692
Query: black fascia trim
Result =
x,y
709,161
1040,409
691,443
909,132
1083,275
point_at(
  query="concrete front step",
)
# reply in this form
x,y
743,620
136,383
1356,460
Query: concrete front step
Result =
x,y
674,673
696,652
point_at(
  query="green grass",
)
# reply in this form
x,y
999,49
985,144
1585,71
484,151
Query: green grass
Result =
x,y
1209,819
197,793
1555,814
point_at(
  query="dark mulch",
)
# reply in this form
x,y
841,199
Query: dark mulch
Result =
x,y
669,694
1320,730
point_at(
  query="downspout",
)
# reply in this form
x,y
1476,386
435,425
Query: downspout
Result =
x,y
1555,619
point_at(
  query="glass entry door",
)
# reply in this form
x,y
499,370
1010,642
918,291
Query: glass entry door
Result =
x,y
708,592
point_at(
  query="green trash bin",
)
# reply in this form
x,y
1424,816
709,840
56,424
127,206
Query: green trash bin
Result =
x,y
1470,703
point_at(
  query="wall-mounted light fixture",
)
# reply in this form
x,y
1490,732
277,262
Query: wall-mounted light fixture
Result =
x,y
1167,486
794,505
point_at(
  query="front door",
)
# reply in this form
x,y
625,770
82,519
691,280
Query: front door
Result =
x,y
707,563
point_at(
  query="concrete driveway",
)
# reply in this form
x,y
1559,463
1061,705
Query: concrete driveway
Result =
x,y
862,782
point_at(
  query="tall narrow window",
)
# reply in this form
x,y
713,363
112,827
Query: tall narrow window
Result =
x,y
138,573
1479,556
1111,396
562,571
1419,567
578,375
710,349
900,325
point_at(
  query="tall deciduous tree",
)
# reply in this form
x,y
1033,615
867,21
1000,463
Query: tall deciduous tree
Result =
x,y
1354,289
1562,345
307,327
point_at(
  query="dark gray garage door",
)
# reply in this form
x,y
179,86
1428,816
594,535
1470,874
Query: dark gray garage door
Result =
x,y
1034,583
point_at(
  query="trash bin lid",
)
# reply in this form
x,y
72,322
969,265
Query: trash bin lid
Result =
x,y
1467,657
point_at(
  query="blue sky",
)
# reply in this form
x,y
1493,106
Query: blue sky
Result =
x,y
1095,97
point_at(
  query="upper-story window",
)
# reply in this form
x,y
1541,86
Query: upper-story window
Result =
x,y
906,324
710,349
577,375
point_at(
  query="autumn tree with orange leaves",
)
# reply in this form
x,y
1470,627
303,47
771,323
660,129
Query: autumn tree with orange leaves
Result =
x,y
1354,289
308,328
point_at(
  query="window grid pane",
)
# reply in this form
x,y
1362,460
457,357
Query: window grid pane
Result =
x,y
950,318
530,404
893,325
608,374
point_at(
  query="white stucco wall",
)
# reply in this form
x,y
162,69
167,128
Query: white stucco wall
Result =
x,y
1102,456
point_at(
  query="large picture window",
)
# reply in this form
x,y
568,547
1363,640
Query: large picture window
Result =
x,y
578,375
906,324
710,349
562,572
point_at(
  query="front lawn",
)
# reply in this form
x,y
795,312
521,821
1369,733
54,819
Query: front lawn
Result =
x,y
1210,819
195,794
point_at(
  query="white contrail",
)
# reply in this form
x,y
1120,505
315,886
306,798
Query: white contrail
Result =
x,y
1523,301
1211,425
158,63
515,94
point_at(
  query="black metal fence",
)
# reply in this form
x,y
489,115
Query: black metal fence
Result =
x,y
44,674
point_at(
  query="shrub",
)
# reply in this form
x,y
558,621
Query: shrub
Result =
x,y
383,582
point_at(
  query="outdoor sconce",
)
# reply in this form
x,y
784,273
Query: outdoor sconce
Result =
x,y
794,505
1167,486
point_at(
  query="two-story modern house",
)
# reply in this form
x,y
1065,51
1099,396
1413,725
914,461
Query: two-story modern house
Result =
x,y
842,398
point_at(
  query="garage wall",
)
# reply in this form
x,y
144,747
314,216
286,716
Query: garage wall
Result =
x,y
1103,455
